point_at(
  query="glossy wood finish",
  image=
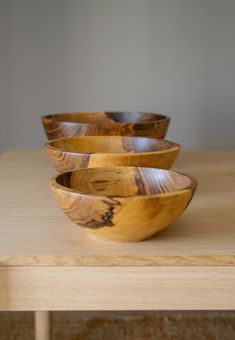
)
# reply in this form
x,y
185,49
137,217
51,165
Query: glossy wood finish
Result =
x,y
123,204
62,125
96,151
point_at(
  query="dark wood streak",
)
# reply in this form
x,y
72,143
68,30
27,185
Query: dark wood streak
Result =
x,y
106,217
139,182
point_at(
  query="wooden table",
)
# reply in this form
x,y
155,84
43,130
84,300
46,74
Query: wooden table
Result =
x,y
47,263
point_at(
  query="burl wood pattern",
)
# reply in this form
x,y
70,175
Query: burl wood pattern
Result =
x,y
96,151
62,125
123,204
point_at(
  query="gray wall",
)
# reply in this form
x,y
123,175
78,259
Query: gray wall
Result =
x,y
170,56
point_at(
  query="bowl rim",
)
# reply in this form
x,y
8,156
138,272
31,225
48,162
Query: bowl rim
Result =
x,y
51,116
191,187
173,146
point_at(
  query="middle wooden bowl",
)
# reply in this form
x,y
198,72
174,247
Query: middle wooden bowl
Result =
x,y
97,151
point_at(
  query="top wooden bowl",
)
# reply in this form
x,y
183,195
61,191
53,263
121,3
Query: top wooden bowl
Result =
x,y
96,151
123,203
62,125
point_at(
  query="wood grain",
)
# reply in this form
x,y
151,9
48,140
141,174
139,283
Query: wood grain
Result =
x,y
96,151
123,204
35,232
62,125
117,288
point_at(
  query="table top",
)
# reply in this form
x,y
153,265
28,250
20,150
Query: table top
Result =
x,y
35,232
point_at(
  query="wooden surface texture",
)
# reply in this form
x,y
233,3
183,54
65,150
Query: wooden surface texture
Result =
x,y
117,288
34,231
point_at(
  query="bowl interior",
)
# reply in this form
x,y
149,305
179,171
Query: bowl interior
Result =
x,y
107,117
123,181
111,144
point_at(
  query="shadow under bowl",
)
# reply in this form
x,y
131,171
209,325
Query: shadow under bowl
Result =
x,y
62,125
68,154
123,204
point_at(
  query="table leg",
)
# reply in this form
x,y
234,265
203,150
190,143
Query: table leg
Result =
x,y
42,325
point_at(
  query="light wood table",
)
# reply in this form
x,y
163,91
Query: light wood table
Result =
x,y
47,263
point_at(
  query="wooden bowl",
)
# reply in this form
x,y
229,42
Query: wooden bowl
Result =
x,y
123,204
62,125
96,151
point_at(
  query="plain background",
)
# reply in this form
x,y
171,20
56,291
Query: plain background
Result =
x,y
168,56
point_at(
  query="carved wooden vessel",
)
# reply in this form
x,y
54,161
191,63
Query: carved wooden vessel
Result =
x,y
123,204
96,151
62,125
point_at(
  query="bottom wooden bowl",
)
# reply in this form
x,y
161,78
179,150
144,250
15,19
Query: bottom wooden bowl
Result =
x,y
123,204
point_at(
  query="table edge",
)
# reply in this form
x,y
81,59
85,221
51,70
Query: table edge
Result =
x,y
117,260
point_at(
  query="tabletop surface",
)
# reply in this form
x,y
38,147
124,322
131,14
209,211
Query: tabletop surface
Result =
x,y
35,232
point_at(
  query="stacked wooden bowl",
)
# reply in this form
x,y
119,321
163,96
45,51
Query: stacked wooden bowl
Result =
x,y
114,176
